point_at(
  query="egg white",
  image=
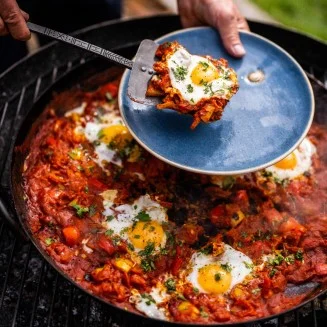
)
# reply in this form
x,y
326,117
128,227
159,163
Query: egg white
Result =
x,y
238,261
303,155
124,215
150,309
182,58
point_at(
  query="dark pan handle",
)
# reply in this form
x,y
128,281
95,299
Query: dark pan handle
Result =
x,y
9,216
81,44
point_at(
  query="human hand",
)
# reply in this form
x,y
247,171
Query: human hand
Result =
x,y
221,14
13,20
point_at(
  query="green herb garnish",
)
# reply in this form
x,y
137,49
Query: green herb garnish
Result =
x,y
299,255
190,88
149,299
217,277
80,210
92,210
109,218
248,265
48,241
226,266
179,73
142,216
109,232
205,65
170,285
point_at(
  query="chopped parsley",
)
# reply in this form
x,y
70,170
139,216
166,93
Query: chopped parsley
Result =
x,y
179,73
148,250
290,259
123,231
244,234
48,241
196,290
228,182
208,89
205,65
137,236
147,265
261,236
80,210
109,232
80,168
170,285
147,262
149,299
192,100
226,266
142,216
203,313
217,277
255,291
101,134
276,261
131,246
181,296
266,173
109,218
75,154
299,255
248,265
207,250
272,272
92,210
190,88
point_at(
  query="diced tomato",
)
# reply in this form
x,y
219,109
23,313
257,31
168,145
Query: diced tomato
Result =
x,y
217,213
51,141
242,199
106,245
178,262
266,286
321,269
71,234
97,185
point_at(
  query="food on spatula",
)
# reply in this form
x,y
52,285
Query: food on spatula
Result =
x,y
192,84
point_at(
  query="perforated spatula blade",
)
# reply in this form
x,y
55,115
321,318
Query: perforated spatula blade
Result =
x,y
142,72
141,67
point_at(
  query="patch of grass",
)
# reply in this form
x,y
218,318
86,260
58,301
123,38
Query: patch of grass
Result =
x,y
309,16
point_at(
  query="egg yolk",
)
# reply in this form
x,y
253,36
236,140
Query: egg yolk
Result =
x,y
115,133
287,163
214,279
204,73
145,232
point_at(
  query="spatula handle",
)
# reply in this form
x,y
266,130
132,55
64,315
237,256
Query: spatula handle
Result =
x,y
81,44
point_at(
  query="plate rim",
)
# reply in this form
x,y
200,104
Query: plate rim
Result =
x,y
223,172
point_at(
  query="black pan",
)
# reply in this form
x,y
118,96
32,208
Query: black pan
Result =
x,y
87,77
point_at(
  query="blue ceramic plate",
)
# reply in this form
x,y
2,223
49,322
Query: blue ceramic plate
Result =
x,y
261,124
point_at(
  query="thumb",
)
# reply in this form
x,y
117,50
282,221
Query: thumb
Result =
x,y
227,26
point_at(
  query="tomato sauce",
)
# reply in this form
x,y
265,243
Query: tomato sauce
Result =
x,y
280,226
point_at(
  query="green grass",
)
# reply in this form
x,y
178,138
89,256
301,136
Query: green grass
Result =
x,y
309,16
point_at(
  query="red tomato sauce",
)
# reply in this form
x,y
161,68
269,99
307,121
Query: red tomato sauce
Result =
x,y
258,216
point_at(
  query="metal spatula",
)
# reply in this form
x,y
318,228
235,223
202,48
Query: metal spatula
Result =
x,y
141,66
